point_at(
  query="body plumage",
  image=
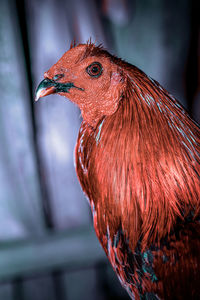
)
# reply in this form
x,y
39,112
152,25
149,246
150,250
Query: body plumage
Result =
x,y
138,161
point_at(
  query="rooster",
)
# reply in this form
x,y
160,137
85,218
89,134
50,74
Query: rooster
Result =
x,y
138,162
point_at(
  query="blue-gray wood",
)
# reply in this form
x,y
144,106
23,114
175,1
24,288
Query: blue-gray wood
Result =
x,y
20,198
157,41
59,250
58,120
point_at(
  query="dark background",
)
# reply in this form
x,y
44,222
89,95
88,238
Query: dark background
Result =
x,y
48,250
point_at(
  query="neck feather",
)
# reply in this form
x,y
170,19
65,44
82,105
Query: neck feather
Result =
x,y
143,163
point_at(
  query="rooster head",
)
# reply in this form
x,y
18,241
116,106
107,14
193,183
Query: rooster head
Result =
x,y
87,76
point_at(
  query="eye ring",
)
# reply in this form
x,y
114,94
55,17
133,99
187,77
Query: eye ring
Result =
x,y
95,69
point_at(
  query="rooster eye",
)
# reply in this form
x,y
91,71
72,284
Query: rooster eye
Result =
x,y
95,69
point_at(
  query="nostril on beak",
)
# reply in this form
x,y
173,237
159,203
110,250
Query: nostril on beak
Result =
x,y
58,76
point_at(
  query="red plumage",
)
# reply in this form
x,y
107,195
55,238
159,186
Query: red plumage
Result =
x,y
138,161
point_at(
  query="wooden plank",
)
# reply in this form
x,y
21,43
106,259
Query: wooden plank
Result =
x,y
6,291
59,250
58,120
39,288
87,22
20,198
157,41
87,285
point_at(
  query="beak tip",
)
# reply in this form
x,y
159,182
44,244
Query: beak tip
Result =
x,y
45,88
37,96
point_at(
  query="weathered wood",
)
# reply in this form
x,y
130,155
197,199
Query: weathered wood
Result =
x,y
20,198
6,291
57,120
59,250
40,288
156,41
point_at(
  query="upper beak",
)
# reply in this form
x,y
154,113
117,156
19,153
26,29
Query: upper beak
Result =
x,y
48,86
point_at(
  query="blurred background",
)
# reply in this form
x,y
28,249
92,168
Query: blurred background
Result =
x,y
48,249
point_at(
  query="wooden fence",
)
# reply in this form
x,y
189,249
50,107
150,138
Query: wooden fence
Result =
x,y
48,249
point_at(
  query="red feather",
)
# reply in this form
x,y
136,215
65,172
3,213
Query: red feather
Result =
x,y
138,161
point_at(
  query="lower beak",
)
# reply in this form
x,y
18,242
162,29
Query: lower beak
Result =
x,y
48,86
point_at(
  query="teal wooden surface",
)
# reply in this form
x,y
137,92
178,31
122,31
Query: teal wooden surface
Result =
x,y
20,197
59,250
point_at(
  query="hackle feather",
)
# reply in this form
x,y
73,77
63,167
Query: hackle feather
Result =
x,y
138,162
140,168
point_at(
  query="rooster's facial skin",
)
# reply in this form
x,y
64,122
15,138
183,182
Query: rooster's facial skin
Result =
x,y
95,84
138,161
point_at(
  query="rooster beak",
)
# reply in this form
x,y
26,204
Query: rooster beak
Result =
x,y
48,86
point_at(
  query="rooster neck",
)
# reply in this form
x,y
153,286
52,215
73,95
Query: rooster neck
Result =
x,y
140,166
140,170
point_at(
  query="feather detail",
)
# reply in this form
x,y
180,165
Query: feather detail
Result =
x,y
145,165
143,176
138,162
